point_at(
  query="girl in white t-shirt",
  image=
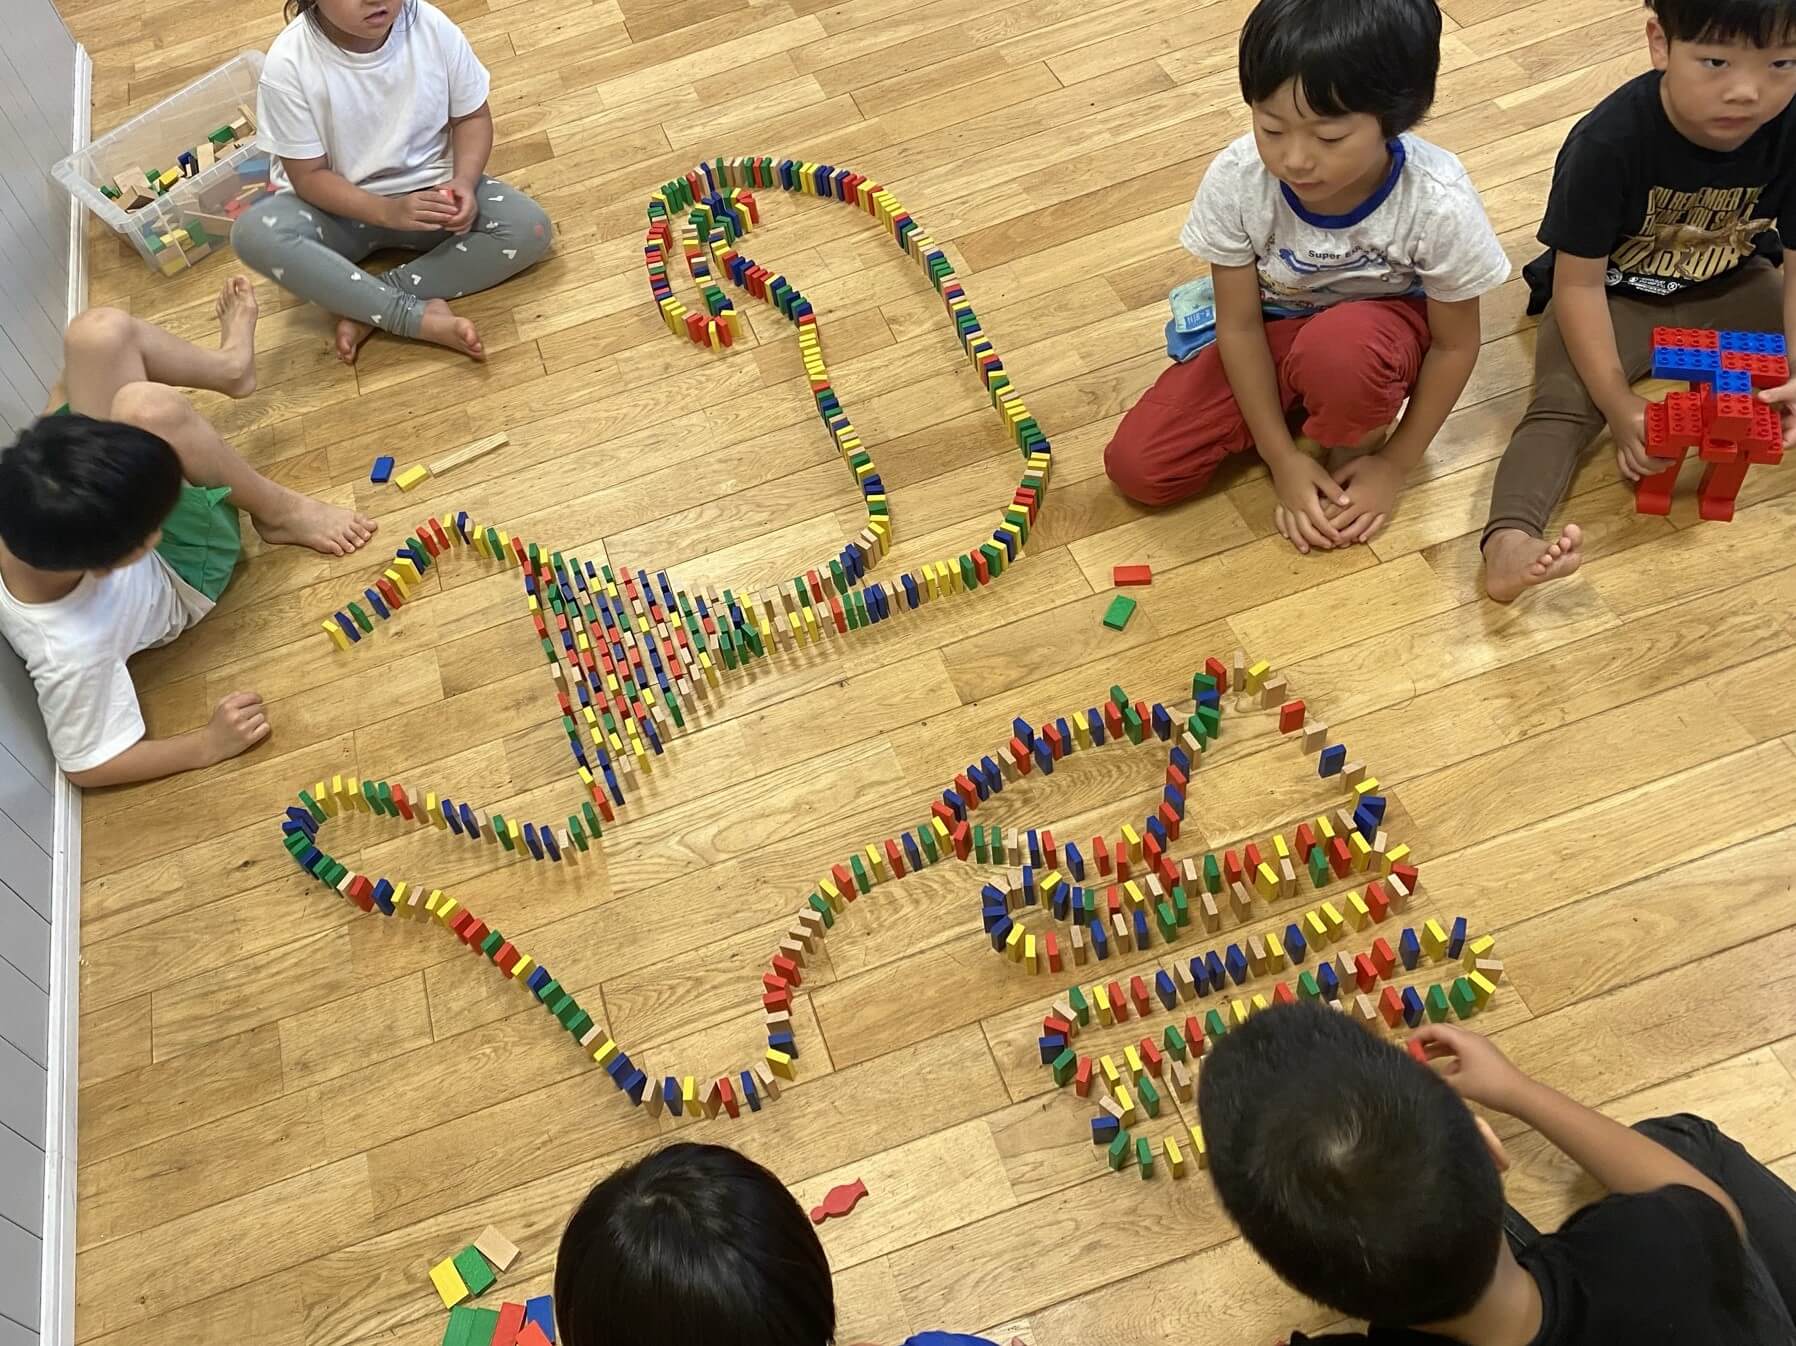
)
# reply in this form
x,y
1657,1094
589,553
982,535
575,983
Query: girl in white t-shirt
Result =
x,y
375,112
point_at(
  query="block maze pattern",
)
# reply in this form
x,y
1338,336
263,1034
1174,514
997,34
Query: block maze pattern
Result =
x,y
636,661
1718,416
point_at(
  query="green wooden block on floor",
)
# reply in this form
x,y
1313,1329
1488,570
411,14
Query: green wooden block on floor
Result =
x,y
1174,1042
1463,998
1064,1066
1118,1154
1212,875
1214,1025
1117,615
1144,1156
1150,1096
1319,871
1437,1004
1307,987
472,1267
1081,1008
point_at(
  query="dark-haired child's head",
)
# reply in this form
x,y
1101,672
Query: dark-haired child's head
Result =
x,y
1356,1172
1330,83
350,23
82,494
1729,65
692,1243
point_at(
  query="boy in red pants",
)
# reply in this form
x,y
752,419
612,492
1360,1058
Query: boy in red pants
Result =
x,y
1370,239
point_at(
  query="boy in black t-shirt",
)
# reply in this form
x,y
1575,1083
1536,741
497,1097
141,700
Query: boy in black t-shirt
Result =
x,y
1666,208
1368,1185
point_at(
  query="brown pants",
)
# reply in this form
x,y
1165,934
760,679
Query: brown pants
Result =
x,y
1561,421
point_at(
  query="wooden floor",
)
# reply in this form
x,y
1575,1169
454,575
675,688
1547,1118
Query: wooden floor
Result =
x,y
288,1110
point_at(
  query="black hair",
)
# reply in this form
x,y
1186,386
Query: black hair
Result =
x,y
693,1243
1761,23
292,9
1354,1171
1379,57
82,494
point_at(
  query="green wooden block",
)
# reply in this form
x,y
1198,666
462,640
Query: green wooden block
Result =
x,y
1064,1065
1212,718
459,1331
581,1022
313,807
355,609
1319,871
1181,906
927,835
1174,1042
571,1014
1132,725
969,577
549,990
1076,998
1118,697
1436,1001
1214,1026
371,794
1307,987
1199,730
1150,1096
1212,875
1168,923
1119,611
981,851
475,1274
1118,1154
576,833
383,794
1144,1157
821,906
491,944
483,1324
1201,682
862,883
503,832
1463,998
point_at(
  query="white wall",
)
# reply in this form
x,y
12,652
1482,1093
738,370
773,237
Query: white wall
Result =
x,y
37,74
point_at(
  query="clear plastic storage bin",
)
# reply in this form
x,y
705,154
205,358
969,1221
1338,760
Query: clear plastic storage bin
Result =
x,y
195,215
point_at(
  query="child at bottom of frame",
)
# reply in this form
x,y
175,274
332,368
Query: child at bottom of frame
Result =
x,y
1364,1180
698,1243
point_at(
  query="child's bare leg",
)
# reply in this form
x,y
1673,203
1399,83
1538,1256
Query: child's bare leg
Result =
x,y
279,513
104,349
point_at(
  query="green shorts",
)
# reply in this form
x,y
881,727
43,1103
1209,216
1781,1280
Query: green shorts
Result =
x,y
202,539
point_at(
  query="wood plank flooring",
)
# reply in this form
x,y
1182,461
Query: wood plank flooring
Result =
x,y
288,1111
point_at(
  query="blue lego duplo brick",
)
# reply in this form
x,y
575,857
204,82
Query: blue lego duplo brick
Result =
x,y
1678,362
1753,343
1733,381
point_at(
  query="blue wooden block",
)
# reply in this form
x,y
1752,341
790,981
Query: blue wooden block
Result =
x,y
750,1094
1032,841
1200,974
1163,987
1001,929
1295,944
1456,940
783,1042
1029,885
349,628
382,469
1333,758
1100,941
670,1095
1236,962
1044,757
376,602
1162,723
541,1311
1409,949
1413,1009
1142,937
1213,963
539,978
470,825
1051,1045
1022,729
1328,981
1095,722
1152,826
1074,859
1103,1129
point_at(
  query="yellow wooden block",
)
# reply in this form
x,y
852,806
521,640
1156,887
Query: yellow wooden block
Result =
x,y
1175,1159
1265,879
451,1288
1240,1012
605,1051
1260,1003
1133,1058
1199,1150
1132,895
1107,1064
338,637
1325,830
1434,939
1357,911
1368,786
1394,857
1132,839
781,1064
1280,847
1476,949
1337,923
1482,987
446,909
1013,946
1275,951
1361,852
1126,1102
876,861
1256,676
1030,960
525,966
1315,929
411,477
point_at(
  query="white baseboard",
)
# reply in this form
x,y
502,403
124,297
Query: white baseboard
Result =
x,y
56,1307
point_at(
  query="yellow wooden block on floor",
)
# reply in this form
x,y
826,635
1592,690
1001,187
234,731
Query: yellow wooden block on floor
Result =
x,y
781,1064
449,1284
411,477
1175,1160
1476,949
335,632
1198,1149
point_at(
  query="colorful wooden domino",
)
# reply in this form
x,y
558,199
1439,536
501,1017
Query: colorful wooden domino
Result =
x,y
1718,416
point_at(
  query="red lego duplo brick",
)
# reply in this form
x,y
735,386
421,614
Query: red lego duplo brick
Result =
x,y
1731,418
1687,338
1720,485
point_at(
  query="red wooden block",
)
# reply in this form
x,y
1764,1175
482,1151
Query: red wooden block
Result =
x,y
1082,1077
403,804
1170,820
1121,575
1194,1036
1049,852
530,1334
1050,734
511,1319
1411,876
787,969
1020,755
1053,1023
1415,1048
1378,901
1231,869
1290,716
1383,959
1251,859
1176,778
695,328
730,1105
1339,857
361,892
1305,841
1122,860
963,841
1051,947
1138,993
1218,670
777,1000
1151,1057
1119,1003
895,858
1282,994
844,877
1390,1005
1364,973
1100,855
1113,720
981,569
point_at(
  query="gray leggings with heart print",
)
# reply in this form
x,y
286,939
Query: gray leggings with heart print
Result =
x,y
315,254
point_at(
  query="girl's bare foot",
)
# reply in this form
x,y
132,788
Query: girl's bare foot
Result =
x,y
1515,561
237,313
441,327
350,336
301,521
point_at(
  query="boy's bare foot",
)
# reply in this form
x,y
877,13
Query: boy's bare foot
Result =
x,y
237,313
1515,561
301,521
441,327
350,336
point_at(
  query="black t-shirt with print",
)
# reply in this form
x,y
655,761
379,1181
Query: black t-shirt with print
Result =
x,y
1660,1268
1668,214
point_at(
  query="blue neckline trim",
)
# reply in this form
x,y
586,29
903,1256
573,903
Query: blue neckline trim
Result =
x,y
1364,208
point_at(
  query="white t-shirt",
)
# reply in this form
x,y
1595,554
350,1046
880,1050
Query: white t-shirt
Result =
x,y
75,650
1423,232
381,116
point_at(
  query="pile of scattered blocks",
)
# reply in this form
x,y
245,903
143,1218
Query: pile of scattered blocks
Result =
x,y
470,1274
136,188
1718,416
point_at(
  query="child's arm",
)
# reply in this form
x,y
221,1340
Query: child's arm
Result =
x,y
1617,1156
1581,300
1304,486
239,722
1784,397
470,146
1374,481
314,181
